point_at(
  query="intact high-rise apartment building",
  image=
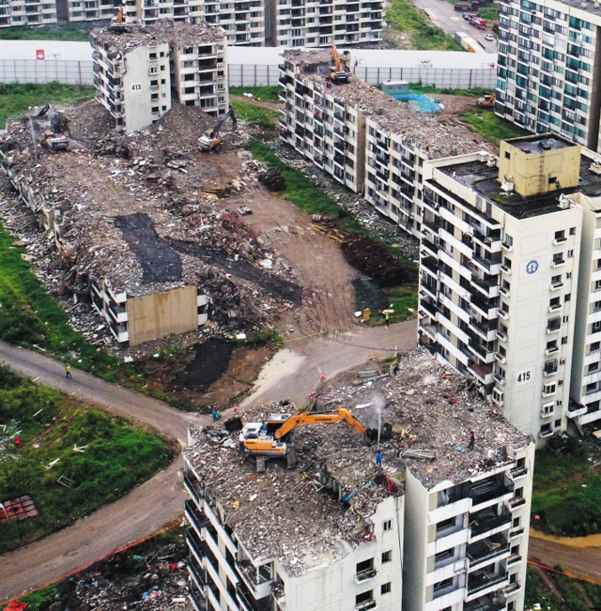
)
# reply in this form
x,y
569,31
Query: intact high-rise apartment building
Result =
x,y
549,66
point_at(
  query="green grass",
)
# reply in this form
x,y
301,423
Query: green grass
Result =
x,y
66,32
16,98
566,495
269,93
489,14
402,299
538,592
117,457
403,16
572,595
256,115
491,127
477,92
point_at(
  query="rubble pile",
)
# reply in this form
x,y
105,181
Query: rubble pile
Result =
x,y
139,212
314,513
273,179
157,581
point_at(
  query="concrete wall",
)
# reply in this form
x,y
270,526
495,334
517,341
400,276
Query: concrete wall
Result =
x,y
160,314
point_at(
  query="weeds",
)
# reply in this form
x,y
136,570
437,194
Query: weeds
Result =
x,y
66,32
16,98
269,93
491,127
117,457
538,593
476,92
256,115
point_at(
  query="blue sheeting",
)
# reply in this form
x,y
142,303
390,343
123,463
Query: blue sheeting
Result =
x,y
418,102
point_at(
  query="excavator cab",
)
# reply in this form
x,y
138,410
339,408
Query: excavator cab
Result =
x,y
210,140
118,23
338,76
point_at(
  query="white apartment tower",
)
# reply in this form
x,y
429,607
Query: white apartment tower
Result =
x,y
500,271
548,67
27,12
137,70
428,531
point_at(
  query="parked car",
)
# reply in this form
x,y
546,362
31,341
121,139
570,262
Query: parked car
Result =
x,y
466,16
489,37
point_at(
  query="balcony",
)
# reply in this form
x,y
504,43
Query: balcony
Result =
x,y
481,580
489,522
370,604
482,373
557,263
506,270
365,575
557,286
485,550
487,490
490,602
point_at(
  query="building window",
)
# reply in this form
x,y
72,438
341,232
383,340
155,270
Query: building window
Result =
x,y
364,598
386,525
597,326
560,236
595,347
386,557
386,588
516,523
572,230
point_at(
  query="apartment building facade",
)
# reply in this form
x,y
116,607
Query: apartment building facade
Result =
x,y
136,71
547,68
14,13
499,275
296,23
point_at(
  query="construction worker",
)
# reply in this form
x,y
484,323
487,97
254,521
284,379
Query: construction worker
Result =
x,y
472,440
387,319
379,457
214,414
68,371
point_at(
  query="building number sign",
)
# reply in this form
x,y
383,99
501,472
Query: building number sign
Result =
x,y
136,86
532,267
523,377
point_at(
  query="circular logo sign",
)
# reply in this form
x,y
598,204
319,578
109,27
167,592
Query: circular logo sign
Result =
x,y
532,267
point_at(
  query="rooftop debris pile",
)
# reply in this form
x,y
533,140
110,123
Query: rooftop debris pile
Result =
x,y
431,132
140,212
318,511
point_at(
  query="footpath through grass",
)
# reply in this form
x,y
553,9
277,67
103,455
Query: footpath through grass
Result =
x,y
65,32
404,16
256,115
65,484
16,98
269,93
491,127
566,499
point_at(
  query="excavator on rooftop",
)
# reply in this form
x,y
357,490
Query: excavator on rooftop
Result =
x,y
339,69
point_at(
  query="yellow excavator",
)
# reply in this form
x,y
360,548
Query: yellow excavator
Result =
x,y
338,76
118,23
273,436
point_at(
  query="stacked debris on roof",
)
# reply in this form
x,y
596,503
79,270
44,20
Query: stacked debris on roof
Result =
x,y
138,212
294,514
428,131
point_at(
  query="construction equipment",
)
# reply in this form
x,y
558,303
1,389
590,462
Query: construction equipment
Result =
x,y
488,101
210,141
338,76
56,136
274,436
118,23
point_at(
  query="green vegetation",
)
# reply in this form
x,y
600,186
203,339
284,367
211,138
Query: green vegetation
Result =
x,y
403,16
491,127
16,98
477,92
538,592
489,14
256,115
402,300
572,595
41,599
116,456
566,498
269,93
594,593
66,32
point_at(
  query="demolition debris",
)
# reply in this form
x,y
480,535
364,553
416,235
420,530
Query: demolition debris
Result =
x,y
315,513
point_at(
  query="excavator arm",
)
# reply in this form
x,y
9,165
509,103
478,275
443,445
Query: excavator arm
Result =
x,y
335,57
341,415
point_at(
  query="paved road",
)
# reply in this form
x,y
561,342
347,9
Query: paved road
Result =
x,y
444,15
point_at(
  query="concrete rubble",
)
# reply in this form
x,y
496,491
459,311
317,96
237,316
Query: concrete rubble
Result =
x,y
315,513
139,211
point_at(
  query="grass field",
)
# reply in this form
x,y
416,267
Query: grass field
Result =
x,y
256,115
116,456
403,16
264,93
66,32
477,92
16,98
566,498
538,592
491,127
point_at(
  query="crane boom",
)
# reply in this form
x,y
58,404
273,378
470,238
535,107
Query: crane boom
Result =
x,y
341,415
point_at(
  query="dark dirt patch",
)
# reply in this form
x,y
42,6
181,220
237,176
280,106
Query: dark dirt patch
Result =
x,y
373,260
211,360
160,263
369,295
275,286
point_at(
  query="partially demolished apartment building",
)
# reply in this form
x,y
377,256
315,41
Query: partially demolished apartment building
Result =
x,y
440,525
137,71
368,141
510,287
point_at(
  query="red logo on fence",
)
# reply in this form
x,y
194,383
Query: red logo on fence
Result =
x,y
39,54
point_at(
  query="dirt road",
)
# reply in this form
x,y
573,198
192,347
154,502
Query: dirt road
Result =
x,y
160,500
